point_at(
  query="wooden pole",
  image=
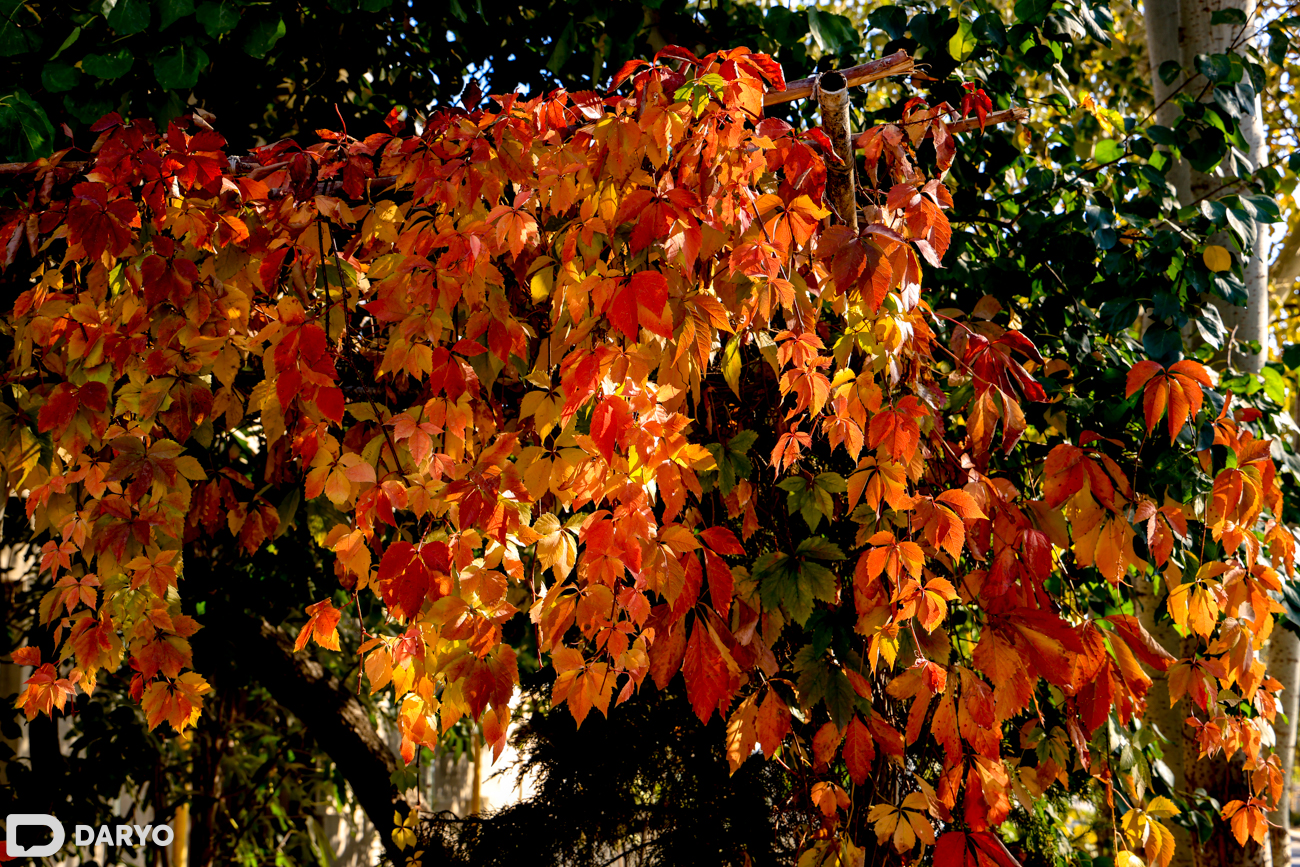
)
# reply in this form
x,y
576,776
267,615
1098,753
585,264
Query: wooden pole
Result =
x,y
898,63
832,91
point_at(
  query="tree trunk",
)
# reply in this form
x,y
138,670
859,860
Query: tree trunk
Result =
x,y
339,723
1284,664
1178,31
1166,716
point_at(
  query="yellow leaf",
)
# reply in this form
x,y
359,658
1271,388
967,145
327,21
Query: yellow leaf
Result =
x,y
1216,259
540,286
731,364
1128,859
1162,807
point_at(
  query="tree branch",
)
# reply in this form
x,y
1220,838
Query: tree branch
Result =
x,y
340,724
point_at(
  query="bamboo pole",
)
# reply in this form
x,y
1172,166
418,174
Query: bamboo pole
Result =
x,y
832,92
898,63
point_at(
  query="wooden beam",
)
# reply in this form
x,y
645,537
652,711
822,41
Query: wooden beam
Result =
x,y
898,63
966,124
993,118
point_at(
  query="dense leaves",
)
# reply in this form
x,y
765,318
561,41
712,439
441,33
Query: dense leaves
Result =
x,y
601,359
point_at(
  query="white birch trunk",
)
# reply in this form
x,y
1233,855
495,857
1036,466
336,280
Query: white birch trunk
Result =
x,y
1179,30
1284,664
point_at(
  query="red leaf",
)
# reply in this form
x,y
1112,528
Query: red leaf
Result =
x,y
58,409
1141,642
1139,374
610,422
720,582
859,751
978,849
330,403
393,120
627,69
269,271
707,678
722,541
895,433
690,592
772,723
640,302
667,652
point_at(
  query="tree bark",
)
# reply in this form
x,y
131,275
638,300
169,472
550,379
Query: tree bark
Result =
x,y
1166,716
1284,664
841,188
1179,31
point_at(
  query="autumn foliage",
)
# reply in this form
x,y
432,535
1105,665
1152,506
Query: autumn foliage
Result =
x,y
604,363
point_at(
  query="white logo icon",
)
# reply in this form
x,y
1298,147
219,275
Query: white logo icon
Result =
x,y
16,820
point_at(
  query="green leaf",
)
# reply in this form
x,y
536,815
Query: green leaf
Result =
x,y
821,680
891,19
1169,70
329,275
1107,151
109,66
831,483
563,49
794,582
375,5
832,32
1031,11
778,585
1274,385
25,131
1242,226
819,549
726,473
263,36
1162,343
218,16
1215,67
743,441
1228,16
812,502
1162,135
17,29
1291,356
1262,208
786,27
1278,46
1230,288
72,37
1210,325
58,77
171,11
129,16
963,42
179,70
86,107
989,28
813,505
731,364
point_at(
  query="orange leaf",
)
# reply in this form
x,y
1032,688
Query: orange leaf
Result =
x,y
321,626
859,750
